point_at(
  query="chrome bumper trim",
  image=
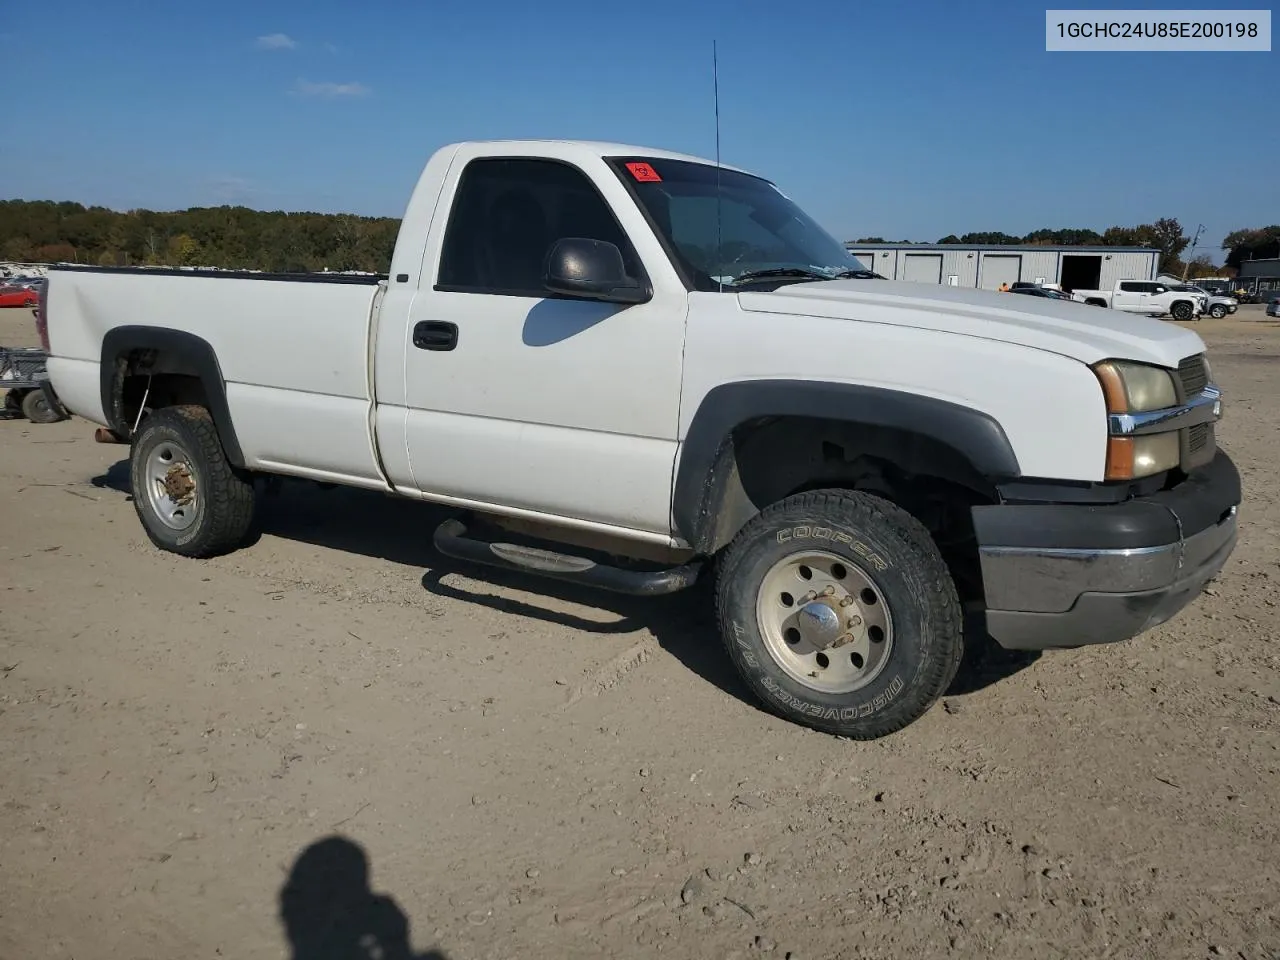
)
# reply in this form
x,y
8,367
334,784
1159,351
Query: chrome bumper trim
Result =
x,y
1205,407
1042,580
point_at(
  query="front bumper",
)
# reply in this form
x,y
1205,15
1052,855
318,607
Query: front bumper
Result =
x,y
1067,575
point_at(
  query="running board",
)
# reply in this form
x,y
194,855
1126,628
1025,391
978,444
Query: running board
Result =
x,y
451,539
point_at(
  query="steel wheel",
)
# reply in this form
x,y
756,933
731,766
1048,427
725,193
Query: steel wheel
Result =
x,y
171,486
824,622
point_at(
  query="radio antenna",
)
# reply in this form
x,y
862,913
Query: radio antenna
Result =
x,y
715,81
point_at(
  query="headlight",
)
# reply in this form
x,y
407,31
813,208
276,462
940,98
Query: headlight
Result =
x,y
1132,388
1135,387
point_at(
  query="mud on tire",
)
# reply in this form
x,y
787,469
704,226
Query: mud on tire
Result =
x,y
191,501
872,563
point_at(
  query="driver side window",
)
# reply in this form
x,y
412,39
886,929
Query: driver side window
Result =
x,y
505,216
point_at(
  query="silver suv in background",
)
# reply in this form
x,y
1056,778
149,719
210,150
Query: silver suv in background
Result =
x,y
1219,305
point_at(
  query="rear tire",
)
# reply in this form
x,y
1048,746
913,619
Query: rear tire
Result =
x,y
190,500
37,409
1182,310
840,614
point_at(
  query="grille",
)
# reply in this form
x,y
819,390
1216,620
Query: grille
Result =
x,y
1199,437
1192,375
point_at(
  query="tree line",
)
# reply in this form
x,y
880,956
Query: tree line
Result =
x,y
45,231
235,238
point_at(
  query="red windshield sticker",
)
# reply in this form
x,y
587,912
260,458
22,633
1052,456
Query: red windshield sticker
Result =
x,y
644,173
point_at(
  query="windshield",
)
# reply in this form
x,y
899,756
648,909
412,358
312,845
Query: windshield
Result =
x,y
750,228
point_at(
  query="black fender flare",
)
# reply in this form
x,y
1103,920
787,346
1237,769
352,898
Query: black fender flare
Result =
x,y
706,466
192,351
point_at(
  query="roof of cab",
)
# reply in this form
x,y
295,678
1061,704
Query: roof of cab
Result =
x,y
600,148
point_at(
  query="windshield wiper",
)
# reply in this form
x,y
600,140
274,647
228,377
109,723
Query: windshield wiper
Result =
x,y
773,272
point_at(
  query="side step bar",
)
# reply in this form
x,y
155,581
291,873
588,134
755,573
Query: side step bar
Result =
x,y
451,539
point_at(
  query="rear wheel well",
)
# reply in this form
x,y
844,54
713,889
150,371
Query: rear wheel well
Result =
x,y
150,368
158,379
775,457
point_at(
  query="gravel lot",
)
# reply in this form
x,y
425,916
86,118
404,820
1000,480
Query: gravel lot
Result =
x,y
529,771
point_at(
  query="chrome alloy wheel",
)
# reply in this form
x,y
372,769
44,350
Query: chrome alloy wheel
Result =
x,y
824,622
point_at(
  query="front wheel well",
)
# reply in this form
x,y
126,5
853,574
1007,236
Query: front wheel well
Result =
x,y
770,459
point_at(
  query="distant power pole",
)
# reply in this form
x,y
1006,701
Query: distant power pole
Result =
x,y
1186,266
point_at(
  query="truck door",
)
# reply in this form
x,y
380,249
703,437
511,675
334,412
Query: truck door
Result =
x,y
527,401
1132,295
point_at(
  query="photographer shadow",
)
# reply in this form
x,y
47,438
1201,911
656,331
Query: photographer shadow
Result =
x,y
329,911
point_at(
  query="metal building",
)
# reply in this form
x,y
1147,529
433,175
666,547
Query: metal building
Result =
x,y
1260,276
987,266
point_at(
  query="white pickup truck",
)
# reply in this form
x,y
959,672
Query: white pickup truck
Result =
x,y
1151,297
659,367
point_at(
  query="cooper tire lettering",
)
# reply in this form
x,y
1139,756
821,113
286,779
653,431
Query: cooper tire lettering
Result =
x,y
834,536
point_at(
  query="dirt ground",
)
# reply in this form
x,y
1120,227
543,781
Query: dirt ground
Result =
x,y
529,771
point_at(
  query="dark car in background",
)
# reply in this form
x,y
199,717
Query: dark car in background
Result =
x,y
1032,290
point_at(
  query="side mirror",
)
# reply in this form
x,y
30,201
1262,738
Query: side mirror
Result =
x,y
592,270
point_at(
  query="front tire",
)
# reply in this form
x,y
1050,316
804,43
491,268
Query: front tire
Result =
x,y
1182,310
839,613
190,500
1217,311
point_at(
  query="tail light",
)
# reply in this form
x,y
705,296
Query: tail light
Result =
x,y
42,316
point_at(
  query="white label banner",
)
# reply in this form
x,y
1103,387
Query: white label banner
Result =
x,y
1165,31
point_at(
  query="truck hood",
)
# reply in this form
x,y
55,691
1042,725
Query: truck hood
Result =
x,y
1077,330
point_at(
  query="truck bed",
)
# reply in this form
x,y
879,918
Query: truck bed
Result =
x,y
369,279
292,349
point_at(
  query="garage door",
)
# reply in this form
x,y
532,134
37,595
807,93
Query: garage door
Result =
x,y
1000,268
923,267
868,259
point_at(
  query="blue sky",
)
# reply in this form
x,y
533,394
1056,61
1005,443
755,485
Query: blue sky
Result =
x,y
909,120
